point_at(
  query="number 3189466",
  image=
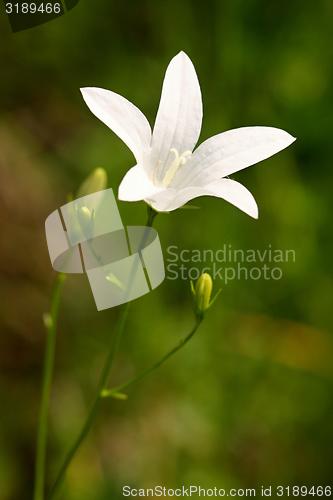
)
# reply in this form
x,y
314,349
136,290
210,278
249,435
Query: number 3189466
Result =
x,y
296,491
33,8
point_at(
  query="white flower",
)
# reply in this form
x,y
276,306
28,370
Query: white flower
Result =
x,y
167,174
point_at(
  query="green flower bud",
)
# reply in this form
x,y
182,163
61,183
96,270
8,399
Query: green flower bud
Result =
x,y
96,181
85,213
48,321
107,393
85,217
202,292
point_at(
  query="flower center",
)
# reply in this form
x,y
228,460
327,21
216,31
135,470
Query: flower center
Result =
x,y
174,165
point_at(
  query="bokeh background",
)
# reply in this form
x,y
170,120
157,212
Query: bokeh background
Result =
x,y
249,400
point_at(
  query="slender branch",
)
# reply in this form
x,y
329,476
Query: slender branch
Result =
x,y
102,385
119,388
50,321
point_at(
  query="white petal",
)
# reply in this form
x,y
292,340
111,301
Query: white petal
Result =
x,y
179,116
136,185
231,191
236,194
121,116
226,153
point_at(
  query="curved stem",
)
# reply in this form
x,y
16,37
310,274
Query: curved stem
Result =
x,y
102,385
50,321
164,358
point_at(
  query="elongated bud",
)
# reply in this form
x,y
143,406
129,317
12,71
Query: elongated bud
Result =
x,y
85,216
107,393
85,213
202,293
96,181
47,320
85,222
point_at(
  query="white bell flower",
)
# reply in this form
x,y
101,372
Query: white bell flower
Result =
x,y
168,173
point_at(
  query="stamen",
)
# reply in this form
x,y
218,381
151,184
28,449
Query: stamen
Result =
x,y
175,164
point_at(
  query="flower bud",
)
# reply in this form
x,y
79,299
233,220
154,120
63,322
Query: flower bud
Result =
x,y
85,219
107,393
85,213
96,181
203,292
48,321
85,216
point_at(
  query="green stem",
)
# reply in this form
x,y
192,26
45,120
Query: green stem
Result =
x,y
168,355
50,321
102,385
95,405
151,215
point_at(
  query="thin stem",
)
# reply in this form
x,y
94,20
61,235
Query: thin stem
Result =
x,y
151,215
95,405
102,385
50,321
164,358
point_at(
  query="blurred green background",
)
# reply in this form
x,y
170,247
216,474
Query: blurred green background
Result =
x,y
249,401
